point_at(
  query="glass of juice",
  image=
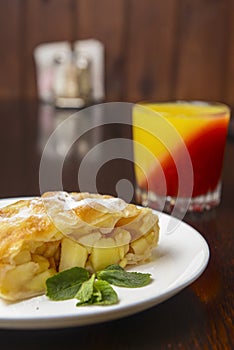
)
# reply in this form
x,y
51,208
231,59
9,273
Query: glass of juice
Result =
x,y
178,154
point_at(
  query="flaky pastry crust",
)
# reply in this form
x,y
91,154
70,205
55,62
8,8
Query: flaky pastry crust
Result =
x,y
44,235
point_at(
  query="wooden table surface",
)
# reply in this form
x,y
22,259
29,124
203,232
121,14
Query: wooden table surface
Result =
x,y
199,317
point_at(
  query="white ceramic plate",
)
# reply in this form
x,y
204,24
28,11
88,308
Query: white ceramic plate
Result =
x,y
179,259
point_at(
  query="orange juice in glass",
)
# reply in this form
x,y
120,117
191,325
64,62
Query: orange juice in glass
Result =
x,y
178,153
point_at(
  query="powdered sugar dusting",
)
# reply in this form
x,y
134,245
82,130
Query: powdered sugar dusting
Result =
x,y
68,202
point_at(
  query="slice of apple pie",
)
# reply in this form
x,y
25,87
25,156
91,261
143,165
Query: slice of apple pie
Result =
x,y
44,235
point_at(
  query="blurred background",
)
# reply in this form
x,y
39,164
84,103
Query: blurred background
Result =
x,y
148,50
154,50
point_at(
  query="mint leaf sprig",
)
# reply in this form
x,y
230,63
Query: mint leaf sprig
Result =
x,y
93,289
116,275
66,284
102,294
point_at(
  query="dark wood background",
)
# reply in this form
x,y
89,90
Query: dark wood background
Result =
x,y
155,50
